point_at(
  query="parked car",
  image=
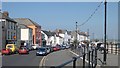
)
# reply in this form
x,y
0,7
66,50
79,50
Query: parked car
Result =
x,y
29,47
35,47
23,50
50,47
55,48
63,47
67,46
12,47
6,51
41,51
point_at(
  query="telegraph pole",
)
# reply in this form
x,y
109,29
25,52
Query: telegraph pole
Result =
x,y
93,36
105,25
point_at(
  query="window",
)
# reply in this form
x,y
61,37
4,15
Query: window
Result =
x,y
11,25
11,35
14,34
14,27
8,35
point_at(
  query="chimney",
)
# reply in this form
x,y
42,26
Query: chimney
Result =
x,y
6,14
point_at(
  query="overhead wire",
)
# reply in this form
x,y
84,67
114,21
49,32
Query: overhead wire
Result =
x,y
92,14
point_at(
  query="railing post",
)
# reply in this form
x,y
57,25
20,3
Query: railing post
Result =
x,y
95,57
89,60
74,62
92,58
84,58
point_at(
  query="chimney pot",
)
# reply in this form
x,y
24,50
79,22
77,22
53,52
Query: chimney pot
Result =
x,y
5,13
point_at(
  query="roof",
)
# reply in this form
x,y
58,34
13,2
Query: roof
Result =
x,y
80,33
2,16
26,21
59,36
69,32
60,31
48,33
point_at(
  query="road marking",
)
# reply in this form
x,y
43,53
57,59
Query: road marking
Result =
x,y
44,60
82,57
74,53
41,63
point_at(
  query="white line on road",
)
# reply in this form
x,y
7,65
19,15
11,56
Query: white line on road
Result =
x,y
41,63
82,58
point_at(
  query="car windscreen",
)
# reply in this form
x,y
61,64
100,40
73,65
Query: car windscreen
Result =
x,y
41,49
9,46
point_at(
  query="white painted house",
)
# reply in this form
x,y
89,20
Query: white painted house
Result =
x,y
49,37
66,37
59,40
81,36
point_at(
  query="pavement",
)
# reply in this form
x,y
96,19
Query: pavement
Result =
x,y
111,61
58,57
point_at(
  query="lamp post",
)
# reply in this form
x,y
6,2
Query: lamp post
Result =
x,y
105,25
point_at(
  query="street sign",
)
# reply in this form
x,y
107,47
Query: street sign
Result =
x,y
14,37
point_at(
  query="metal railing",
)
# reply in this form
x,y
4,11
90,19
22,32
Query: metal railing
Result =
x,y
112,48
92,59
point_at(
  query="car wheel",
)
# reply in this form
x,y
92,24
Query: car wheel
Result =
x,y
27,52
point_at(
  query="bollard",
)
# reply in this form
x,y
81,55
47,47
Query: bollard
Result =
x,y
74,62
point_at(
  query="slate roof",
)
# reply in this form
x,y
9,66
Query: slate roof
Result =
x,y
26,21
48,33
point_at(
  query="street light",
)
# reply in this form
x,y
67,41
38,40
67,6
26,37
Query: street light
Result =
x,y
105,24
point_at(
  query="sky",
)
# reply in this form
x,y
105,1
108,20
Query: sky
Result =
x,y
63,15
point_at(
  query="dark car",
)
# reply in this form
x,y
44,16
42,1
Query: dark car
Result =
x,y
23,50
50,47
63,47
41,51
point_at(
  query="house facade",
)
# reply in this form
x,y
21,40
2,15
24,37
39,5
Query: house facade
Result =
x,y
81,36
9,29
36,29
66,36
26,36
0,35
49,37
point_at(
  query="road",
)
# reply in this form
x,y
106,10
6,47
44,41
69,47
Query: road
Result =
x,y
33,61
22,60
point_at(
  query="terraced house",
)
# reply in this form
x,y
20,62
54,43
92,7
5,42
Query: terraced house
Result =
x,y
36,29
8,29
